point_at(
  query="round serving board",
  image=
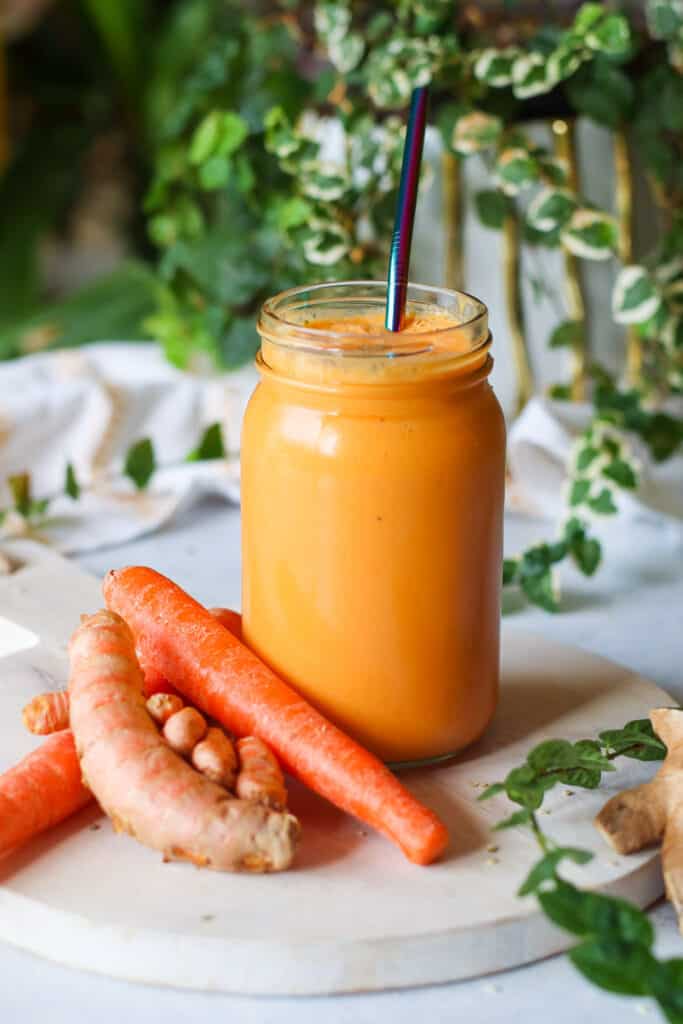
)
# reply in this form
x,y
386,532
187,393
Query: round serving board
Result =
x,y
353,914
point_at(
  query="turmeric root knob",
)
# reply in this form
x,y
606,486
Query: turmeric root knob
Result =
x,y
215,757
260,777
47,713
184,730
639,817
162,705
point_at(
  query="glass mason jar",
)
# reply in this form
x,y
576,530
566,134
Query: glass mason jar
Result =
x,y
372,493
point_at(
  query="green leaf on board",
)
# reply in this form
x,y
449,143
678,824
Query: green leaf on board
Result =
x,y
545,870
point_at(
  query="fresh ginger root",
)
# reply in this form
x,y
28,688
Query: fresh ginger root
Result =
x,y
642,816
162,705
184,730
215,756
260,776
47,713
145,787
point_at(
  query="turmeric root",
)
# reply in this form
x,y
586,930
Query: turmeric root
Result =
x,y
215,757
260,776
147,789
642,816
162,705
46,713
184,730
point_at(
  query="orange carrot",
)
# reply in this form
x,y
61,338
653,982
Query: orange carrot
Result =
x,y
145,788
46,713
181,640
230,619
44,788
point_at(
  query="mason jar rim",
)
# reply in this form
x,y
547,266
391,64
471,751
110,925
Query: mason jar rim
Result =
x,y
281,329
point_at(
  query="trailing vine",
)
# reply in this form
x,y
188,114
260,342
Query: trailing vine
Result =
x,y
615,938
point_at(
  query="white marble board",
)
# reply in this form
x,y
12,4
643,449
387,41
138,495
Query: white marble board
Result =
x,y
353,914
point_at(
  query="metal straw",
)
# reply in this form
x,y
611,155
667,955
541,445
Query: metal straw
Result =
x,y
399,258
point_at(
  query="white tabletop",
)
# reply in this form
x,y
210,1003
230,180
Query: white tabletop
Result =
x,y
631,612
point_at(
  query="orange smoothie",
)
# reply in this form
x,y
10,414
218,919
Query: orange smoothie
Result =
x,y
372,494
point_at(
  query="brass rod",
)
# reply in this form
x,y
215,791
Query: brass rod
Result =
x,y
624,202
451,170
515,310
565,148
4,109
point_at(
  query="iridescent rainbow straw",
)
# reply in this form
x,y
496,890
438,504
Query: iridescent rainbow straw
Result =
x,y
401,240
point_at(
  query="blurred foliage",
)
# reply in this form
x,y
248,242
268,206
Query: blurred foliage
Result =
x,y
256,145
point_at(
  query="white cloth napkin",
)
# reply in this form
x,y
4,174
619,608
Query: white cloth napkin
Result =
x,y
539,443
87,406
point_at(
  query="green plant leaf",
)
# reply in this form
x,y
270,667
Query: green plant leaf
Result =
x,y
140,463
239,343
579,492
475,131
665,984
585,457
591,234
493,207
510,568
586,553
591,914
590,754
551,209
493,790
215,173
516,169
616,966
587,16
602,91
637,739
545,870
552,754
518,818
585,778
71,484
611,35
603,503
20,488
210,446
635,297
622,473
567,334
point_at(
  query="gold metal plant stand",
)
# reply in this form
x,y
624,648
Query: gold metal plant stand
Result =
x,y
624,203
564,141
451,172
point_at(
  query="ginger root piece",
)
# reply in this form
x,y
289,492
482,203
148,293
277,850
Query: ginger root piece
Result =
x,y
184,730
162,705
47,713
216,757
146,789
260,776
642,816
